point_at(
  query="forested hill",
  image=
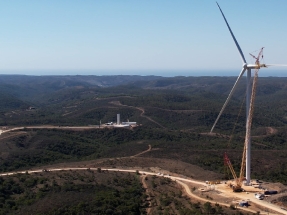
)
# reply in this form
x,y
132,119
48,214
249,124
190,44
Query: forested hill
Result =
x,y
29,87
175,115
23,86
186,101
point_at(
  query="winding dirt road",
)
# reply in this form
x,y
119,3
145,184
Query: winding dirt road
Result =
x,y
179,180
190,194
118,103
149,149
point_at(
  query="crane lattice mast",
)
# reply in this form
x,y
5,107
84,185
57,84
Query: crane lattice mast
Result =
x,y
238,181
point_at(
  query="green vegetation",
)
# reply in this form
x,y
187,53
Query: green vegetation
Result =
x,y
99,193
175,113
182,108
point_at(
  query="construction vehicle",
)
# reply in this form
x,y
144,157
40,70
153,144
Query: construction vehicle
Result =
x,y
213,182
237,186
259,196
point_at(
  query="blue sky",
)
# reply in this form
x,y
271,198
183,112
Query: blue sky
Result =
x,y
183,37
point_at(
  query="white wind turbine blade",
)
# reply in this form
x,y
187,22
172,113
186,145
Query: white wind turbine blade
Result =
x,y
228,98
236,43
275,65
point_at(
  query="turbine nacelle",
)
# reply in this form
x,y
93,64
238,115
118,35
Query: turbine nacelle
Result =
x,y
255,66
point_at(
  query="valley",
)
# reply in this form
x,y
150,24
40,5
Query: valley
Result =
x,y
174,116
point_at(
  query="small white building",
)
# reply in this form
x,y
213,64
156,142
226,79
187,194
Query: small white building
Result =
x,y
120,124
129,123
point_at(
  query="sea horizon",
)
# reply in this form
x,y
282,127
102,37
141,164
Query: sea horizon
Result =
x,y
162,73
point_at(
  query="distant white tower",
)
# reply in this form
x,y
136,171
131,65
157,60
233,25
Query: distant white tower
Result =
x,y
118,119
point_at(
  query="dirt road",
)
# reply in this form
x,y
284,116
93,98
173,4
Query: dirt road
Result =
x,y
193,196
148,210
179,180
140,109
149,148
49,127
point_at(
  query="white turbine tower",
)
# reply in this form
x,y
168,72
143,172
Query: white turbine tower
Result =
x,y
245,67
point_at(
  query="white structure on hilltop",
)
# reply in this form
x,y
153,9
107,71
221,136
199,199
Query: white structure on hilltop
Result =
x,y
120,124
118,119
129,123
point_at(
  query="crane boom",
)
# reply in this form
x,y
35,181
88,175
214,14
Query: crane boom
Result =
x,y
238,181
250,114
228,163
237,186
249,123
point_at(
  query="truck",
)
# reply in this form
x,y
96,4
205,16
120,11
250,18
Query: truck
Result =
x,y
259,196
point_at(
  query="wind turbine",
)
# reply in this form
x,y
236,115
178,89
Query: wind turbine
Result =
x,y
245,67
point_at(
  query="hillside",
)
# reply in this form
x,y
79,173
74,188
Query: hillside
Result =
x,y
175,115
98,192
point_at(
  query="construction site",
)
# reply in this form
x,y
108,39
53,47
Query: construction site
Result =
x,y
241,186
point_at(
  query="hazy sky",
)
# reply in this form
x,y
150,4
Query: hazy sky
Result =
x,y
124,36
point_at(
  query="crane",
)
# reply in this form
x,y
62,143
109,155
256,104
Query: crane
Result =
x,y
239,180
